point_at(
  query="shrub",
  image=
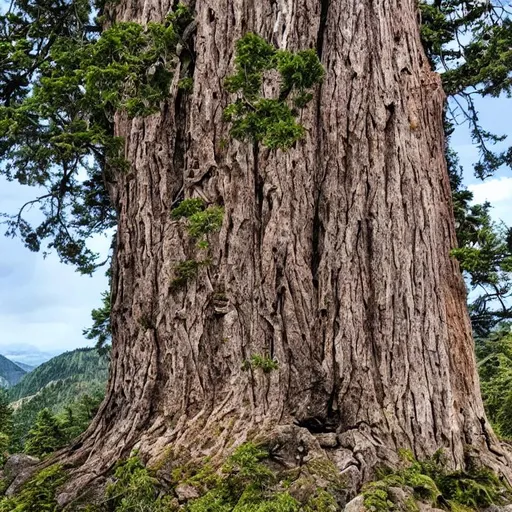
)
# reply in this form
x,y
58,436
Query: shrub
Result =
x,y
38,494
475,488
134,489
321,501
246,486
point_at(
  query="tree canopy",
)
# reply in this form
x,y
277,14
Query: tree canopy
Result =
x,y
61,83
45,436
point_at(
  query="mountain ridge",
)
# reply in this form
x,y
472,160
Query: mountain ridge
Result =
x,y
24,366
57,384
10,372
85,363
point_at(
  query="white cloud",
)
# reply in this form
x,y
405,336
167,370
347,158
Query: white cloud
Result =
x,y
498,191
493,190
43,303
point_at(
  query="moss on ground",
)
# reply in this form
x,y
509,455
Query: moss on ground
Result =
x,y
38,494
431,482
248,481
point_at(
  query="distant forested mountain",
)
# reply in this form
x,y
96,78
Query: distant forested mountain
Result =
x,y
81,365
58,384
10,373
27,367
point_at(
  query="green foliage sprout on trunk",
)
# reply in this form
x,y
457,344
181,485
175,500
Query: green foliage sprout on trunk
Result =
x,y
271,121
257,361
201,219
184,271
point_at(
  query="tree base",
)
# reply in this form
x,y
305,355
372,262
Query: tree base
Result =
x,y
345,460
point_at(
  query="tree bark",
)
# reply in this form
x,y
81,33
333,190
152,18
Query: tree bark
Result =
x,y
333,257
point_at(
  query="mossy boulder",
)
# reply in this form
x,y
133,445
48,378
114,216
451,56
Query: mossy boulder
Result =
x,y
17,470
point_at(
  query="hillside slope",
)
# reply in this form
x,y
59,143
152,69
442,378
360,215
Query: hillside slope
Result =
x,y
82,365
57,384
10,373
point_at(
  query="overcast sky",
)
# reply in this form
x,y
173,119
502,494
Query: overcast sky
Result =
x,y
45,305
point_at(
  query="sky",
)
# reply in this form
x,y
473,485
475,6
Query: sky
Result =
x,y
45,305
495,116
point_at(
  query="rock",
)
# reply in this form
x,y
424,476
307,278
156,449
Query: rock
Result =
x,y
93,493
351,478
17,470
426,507
321,483
498,508
344,458
291,445
302,489
348,467
186,492
174,504
398,495
356,505
403,499
328,440
16,464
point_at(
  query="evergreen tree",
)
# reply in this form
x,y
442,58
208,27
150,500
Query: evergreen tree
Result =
x,y
69,425
468,42
494,352
45,436
58,383
6,413
6,426
5,443
77,416
484,252
100,329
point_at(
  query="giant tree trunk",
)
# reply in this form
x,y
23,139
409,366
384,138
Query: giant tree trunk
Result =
x,y
333,257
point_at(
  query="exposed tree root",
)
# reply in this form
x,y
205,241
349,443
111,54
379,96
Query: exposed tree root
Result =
x,y
351,457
